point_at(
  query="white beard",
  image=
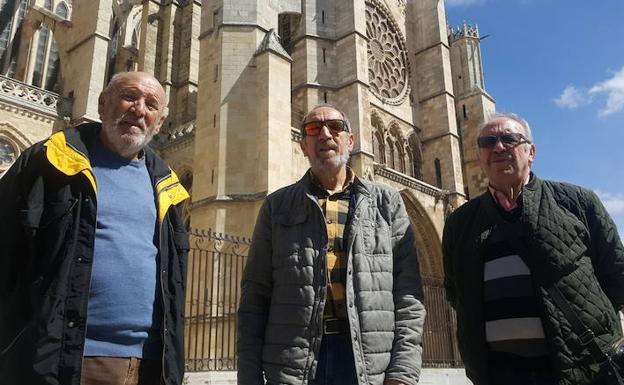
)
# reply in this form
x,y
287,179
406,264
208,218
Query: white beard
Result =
x,y
329,164
125,143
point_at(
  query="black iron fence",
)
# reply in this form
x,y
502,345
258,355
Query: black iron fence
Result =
x,y
216,263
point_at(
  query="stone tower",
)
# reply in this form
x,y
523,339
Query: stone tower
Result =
x,y
472,102
243,137
386,63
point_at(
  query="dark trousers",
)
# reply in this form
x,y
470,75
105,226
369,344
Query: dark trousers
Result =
x,y
335,364
508,369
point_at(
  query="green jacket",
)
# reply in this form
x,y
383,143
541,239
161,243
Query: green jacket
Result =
x,y
576,245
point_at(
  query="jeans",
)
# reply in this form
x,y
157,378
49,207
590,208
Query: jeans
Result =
x,y
335,362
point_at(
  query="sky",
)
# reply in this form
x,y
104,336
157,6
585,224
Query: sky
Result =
x,y
560,65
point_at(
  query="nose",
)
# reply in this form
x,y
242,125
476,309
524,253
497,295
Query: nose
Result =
x,y
498,146
139,107
325,134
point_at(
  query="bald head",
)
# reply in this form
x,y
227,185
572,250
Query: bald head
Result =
x,y
132,108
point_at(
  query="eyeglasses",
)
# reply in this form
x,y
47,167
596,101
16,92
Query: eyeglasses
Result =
x,y
508,140
314,127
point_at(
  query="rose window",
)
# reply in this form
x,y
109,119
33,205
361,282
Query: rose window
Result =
x,y
387,58
8,154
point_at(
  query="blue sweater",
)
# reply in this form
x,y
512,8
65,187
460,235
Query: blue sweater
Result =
x,y
123,313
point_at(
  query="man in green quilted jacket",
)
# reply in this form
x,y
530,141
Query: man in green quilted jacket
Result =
x,y
534,269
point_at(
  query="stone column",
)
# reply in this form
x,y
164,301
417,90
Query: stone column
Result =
x,y
473,103
86,56
431,72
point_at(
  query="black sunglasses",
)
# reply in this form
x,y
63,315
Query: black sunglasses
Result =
x,y
314,127
508,140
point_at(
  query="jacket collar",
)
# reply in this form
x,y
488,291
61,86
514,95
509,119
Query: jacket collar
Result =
x,y
359,185
68,151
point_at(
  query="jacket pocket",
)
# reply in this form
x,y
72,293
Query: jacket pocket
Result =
x,y
288,241
55,212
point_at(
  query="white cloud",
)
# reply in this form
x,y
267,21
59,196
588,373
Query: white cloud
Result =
x,y
456,3
613,202
570,98
614,89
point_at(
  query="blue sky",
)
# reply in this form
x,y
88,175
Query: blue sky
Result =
x,y
560,65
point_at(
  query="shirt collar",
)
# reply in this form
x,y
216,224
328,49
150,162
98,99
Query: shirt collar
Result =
x,y
318,186
503,201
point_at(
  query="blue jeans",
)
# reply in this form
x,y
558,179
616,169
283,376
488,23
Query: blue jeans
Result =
x,y
335,362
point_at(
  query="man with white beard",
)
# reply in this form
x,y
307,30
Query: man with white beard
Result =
x,y
94,251
331,293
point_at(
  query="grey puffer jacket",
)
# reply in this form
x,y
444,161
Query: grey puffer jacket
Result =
x,y
284,289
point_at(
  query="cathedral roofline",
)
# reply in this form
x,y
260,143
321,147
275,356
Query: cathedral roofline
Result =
x,y
463,31
271,43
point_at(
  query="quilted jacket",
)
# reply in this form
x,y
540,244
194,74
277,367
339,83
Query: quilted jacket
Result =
x,y
284,289
575,243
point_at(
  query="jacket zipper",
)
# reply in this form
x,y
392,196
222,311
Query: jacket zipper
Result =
x,y
161,272
349,248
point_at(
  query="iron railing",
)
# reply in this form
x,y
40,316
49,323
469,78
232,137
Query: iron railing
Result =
x,y
216,262
215,266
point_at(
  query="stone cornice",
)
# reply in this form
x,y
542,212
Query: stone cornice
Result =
x,y
34,99
409,182
230,198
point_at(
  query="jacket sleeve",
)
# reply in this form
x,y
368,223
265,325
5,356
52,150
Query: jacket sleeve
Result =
x,y
253,312
607,250
409,312
12,233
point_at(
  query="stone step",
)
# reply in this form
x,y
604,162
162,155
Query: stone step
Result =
x,y
428,377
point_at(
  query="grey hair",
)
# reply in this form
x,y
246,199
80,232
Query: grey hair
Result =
x,y
511,116
326,105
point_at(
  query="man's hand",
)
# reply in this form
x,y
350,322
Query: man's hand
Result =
x,y
393,382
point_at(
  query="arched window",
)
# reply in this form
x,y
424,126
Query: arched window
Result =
x,y
40,56
409,164
62,10
389,153
53,66
11,17
112,50
135,38
398,157
415,156
47,4
438,172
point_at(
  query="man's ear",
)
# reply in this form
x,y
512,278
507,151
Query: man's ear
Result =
x,y
303,147
160,123
532,153
351,142
101,103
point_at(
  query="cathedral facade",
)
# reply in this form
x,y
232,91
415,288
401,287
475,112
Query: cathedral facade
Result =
x,y
239,76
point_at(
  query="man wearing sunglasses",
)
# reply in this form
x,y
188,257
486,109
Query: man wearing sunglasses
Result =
x,y
331,293
534,269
